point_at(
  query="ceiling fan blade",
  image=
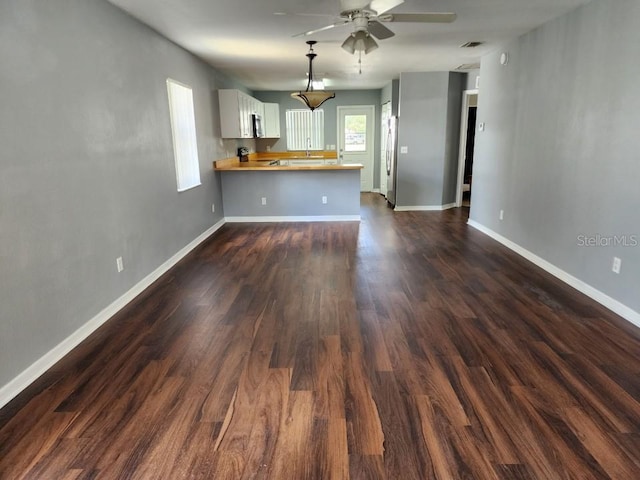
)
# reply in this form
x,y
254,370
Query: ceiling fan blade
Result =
x,y
378,6
349,5
288,14
328,27
381,6
418,17
379,31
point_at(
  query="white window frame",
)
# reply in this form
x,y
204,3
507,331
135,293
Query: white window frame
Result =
x,y
305,129
183,132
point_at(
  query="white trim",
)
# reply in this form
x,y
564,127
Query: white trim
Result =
x,y
44,363
375,190
464,123
424,208
318,218
602,298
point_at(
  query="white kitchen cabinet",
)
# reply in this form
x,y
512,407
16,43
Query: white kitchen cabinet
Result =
x,y
271,120
236,108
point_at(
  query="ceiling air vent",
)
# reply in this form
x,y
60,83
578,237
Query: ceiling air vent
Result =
x,y
468,66
471,44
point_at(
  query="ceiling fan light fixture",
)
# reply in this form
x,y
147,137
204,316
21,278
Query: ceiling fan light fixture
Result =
x,y
359,41
349,44
310,97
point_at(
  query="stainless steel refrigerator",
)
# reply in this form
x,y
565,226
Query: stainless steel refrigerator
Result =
x,y
392,158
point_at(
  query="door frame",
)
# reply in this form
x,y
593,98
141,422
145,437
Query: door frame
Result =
x,y
371,110
464,124
382,164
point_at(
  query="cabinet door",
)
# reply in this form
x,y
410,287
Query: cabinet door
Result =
x,y
245,115
272,120
230,118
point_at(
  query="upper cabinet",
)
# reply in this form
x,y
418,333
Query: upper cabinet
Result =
x,y
271,120
236,108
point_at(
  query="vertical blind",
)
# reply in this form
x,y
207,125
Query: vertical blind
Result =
x,y
183,130
304,127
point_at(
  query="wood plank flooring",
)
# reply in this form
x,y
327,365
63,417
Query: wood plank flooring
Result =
x,y
408,346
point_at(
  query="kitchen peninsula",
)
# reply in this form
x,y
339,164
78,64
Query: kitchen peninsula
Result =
x,y
289,186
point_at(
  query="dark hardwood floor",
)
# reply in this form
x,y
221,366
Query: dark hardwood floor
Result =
x,y
408,346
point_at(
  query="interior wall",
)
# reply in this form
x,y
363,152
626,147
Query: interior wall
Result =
x,y
343,98
471,79
429,128
452,140
86,166
559,153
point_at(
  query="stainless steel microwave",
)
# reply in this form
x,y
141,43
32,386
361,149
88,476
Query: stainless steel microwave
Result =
x,y
256,120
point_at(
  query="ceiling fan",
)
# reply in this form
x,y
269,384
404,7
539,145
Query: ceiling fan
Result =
x,y
367,16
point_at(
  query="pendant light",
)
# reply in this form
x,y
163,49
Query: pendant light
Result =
x,y
310,97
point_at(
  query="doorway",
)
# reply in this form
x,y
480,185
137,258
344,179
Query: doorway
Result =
x,y
467,146
356,132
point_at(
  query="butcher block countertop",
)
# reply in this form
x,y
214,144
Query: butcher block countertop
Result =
x,y
264,166
269,161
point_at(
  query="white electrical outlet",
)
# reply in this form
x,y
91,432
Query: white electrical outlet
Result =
x,y
501,214
404,149
617,264
264,200
324,199
481,126
119,264
213,208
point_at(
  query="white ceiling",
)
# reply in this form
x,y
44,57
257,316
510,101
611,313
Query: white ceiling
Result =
x,y
245,39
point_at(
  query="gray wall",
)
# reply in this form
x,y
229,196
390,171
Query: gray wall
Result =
x,y
429,126
560,150
293,193
472,75
86,166
343,98
457,83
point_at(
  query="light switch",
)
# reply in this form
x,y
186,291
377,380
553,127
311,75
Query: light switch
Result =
x,y
404,149
481,126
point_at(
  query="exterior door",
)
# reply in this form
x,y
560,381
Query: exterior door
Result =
x,y
355,140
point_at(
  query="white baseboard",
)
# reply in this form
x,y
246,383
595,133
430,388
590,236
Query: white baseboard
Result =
x,y
44,363
591,292
375,190
319,218
425,208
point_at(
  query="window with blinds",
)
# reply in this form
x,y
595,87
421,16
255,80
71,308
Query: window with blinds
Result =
x,y
183,130
305,129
